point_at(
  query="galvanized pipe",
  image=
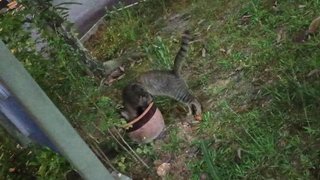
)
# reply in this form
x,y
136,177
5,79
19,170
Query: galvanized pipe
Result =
x,y
49,118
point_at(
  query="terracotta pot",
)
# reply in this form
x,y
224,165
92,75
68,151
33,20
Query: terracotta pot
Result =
x,y
147,126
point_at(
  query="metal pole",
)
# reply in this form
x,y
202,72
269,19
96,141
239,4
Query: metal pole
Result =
x,y
49,118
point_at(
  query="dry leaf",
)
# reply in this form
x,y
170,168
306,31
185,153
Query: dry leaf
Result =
x,y
118,72
229,51
222,50
203,176
201,21
245,19
203,52
121,68
275,6
115,75
12,170
163,169
281,35
239,150
314,72
314,26
209,27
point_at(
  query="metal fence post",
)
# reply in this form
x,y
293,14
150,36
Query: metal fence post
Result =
x,y
49,118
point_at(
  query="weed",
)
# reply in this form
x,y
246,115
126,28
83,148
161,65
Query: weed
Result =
x,y
161,55
174,145
209,157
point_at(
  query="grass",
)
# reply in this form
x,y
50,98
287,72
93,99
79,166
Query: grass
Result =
x,y
209,157
261,109
160,54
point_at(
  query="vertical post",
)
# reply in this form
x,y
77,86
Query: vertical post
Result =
x,y
49,118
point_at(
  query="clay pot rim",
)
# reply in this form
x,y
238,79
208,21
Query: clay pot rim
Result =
x,y
137,119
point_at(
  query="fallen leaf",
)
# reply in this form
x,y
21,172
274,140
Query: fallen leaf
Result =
x,y
209,27
239,150
222,50
281,35
115,75
314,72
121,68
203,176
201,21
275,6
229,51
12,170
245,19
203,52
314,26
163,169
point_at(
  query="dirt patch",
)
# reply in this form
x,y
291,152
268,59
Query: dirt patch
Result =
x,y
177,159
175,23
